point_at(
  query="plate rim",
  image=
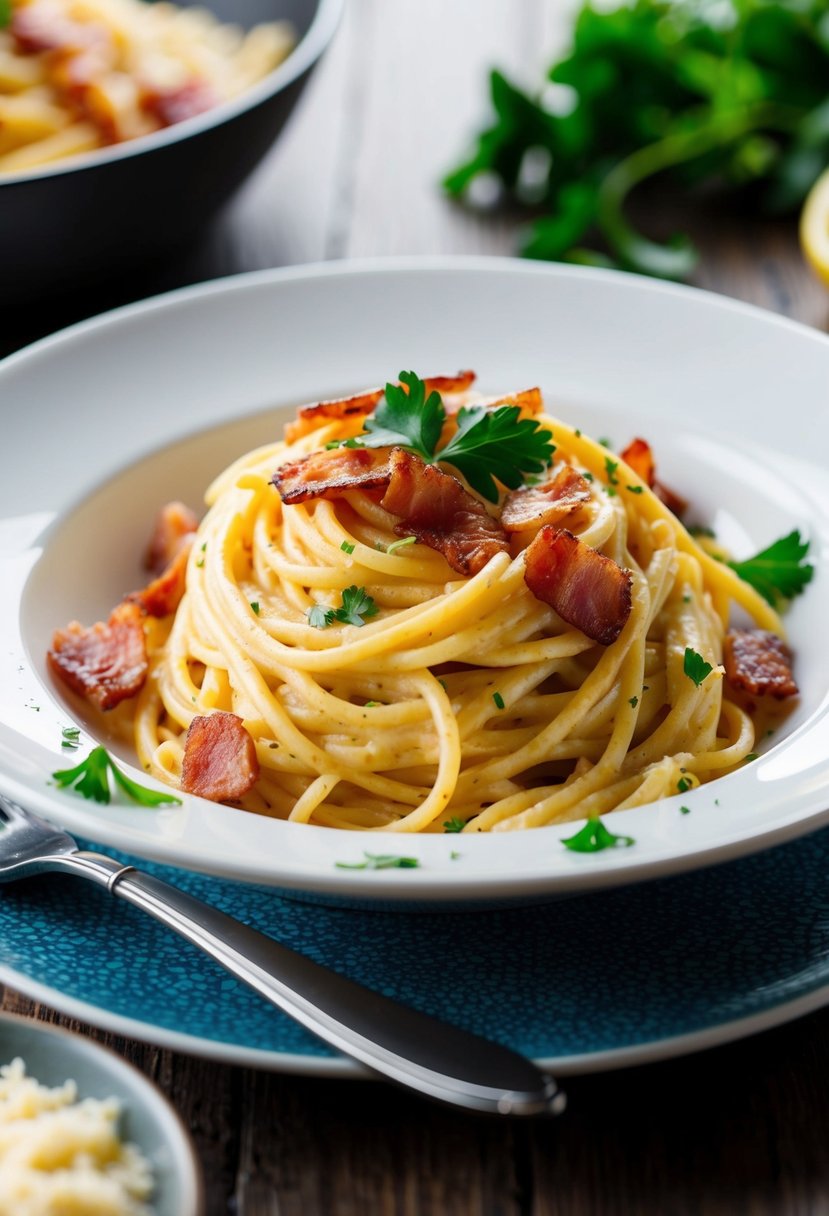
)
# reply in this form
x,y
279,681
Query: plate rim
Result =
x,y
340,1067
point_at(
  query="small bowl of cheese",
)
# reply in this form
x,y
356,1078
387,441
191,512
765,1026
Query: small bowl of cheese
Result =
x,y
82,1131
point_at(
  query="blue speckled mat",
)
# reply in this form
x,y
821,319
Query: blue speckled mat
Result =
x,y
597,973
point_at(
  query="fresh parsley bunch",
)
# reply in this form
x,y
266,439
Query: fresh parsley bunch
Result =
x,y
729,93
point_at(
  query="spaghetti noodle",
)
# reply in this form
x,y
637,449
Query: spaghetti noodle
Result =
x,y
460,701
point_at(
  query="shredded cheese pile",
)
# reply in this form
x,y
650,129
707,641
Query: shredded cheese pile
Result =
x,y
64,1157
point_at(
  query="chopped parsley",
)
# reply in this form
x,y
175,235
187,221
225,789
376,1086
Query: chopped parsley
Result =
x,y
610,467
357,605
685,810
695,666
320,617
633,702
380,861
401,544
488,444
498,699
454,825
372,704
635,489
594,837
254,606
752,756
347,547
779,571
70,736
91,779
587,475
684,784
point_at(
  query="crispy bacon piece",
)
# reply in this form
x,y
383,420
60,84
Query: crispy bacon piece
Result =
x,y
532,506
330,473
105,662
433,505
169,106
587,589
441,513
220,761
163,595
759,663
311,417
529,401
38,27
172,530
639,455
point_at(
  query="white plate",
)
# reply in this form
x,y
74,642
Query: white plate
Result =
x,y
150,401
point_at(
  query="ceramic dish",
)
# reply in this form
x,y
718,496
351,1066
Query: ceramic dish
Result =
x,y
84,219
608,980
54,1056
157,397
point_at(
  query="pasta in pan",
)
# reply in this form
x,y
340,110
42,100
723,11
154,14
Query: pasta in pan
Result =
x,y
382,673
76,75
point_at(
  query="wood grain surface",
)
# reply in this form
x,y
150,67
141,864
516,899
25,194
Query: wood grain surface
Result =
x,y
739,1129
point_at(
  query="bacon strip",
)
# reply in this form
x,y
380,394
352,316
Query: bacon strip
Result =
x,y
529,401
310,417
433,505
105,662
169,106
220,761
639,455
332,473
532,506
171,532
163,595
759,663
441,513
587,589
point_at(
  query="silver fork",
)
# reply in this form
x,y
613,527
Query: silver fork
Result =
x,y
411,1048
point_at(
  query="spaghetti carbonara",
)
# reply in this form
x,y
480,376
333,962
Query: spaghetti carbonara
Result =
x,y
389,673
76,75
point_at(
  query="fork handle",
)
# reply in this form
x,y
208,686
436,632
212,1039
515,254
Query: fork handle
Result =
x,y
409,1047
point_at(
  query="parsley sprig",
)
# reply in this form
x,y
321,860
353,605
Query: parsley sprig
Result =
x,y
357,605
594,837
779,571
695,666
91,779
488,446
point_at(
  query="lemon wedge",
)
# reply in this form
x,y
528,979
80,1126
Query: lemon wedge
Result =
x,y
814,227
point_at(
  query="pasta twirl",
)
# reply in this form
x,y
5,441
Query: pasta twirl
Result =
x,y
461,699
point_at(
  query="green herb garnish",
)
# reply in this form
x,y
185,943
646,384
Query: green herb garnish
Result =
x,y
610,467
454,825
695,666
730,97
498,699
779,571
70,736
594,837
347,547
5,13
91,778
320,617
356,606
401,544
685,810
633,702
488,445
254,607
684,784
380,861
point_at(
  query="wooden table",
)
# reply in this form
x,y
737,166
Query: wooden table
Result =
x,y
740,1129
